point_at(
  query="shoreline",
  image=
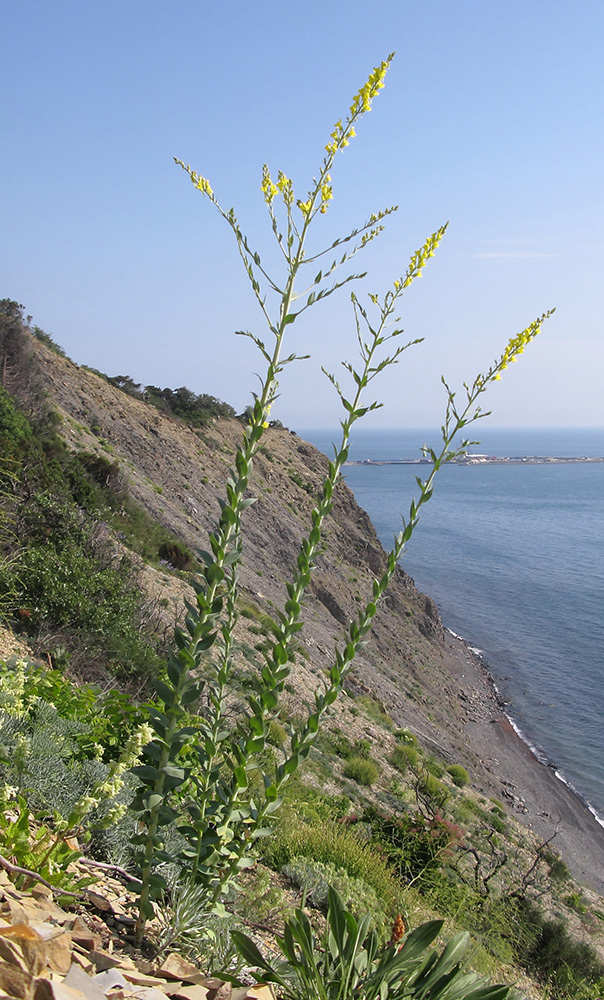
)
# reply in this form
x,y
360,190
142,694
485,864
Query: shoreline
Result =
x,y
539,755
506,766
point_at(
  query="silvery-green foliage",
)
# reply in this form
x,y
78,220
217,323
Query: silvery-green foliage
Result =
x,y
314,879
42,755
186,926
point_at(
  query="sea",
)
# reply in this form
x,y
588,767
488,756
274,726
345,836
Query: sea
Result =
x,y
513,555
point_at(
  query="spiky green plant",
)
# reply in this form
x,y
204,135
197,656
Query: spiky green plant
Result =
x,y
213,775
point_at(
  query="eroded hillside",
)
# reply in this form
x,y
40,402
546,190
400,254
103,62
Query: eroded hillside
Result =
x,y
412,671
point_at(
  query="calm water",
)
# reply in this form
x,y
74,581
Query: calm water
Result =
x,y
514,557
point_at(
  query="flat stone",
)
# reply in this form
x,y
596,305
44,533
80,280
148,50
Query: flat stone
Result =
x,y
174,966
101,902
56,946
82,935
29,943
42,892
140,979
10,952
77,979
187,992
110,979
83,960
103,960
147,993
217,989
262,991
14,981
56,989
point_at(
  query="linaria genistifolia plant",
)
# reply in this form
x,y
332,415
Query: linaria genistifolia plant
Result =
x,y
213,776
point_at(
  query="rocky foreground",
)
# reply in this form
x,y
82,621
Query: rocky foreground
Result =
x,y
48,953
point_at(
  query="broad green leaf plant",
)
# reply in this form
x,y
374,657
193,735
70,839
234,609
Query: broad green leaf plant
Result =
x,y
199,775
347,962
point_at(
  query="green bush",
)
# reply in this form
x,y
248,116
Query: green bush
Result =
x,y
364,772
403,757
336,742
434,766
375,710
414,845
332,844
546,949
405,736
70,589
458,775
314,879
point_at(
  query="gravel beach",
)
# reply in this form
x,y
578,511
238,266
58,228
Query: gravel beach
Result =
x,y
506,768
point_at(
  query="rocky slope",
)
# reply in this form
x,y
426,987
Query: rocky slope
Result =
x,y
412,668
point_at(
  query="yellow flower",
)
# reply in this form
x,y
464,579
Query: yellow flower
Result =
x,y
204,186
326,193
268,189
362,101
286,188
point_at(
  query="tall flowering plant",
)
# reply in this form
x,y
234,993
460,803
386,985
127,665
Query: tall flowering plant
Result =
x,y
223,818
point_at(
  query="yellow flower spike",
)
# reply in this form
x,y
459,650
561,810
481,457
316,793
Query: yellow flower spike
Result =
x,y
362,101
286,188
203,185
326,192
304,207
267,187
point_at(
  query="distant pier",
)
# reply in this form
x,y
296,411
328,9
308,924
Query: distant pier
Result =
x,y
484,460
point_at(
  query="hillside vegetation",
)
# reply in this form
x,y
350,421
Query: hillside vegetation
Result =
x,y
108,491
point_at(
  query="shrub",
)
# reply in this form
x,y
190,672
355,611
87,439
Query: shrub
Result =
x,y
375,710
179,556
406,736
314,879
434,766
332,844
414,845
432,792
404,757
458,775
364,772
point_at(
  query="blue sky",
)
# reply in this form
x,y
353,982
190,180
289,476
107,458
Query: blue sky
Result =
x,y
491,118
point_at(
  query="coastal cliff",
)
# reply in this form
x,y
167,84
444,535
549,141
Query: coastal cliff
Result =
x,y
429,681
413,677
